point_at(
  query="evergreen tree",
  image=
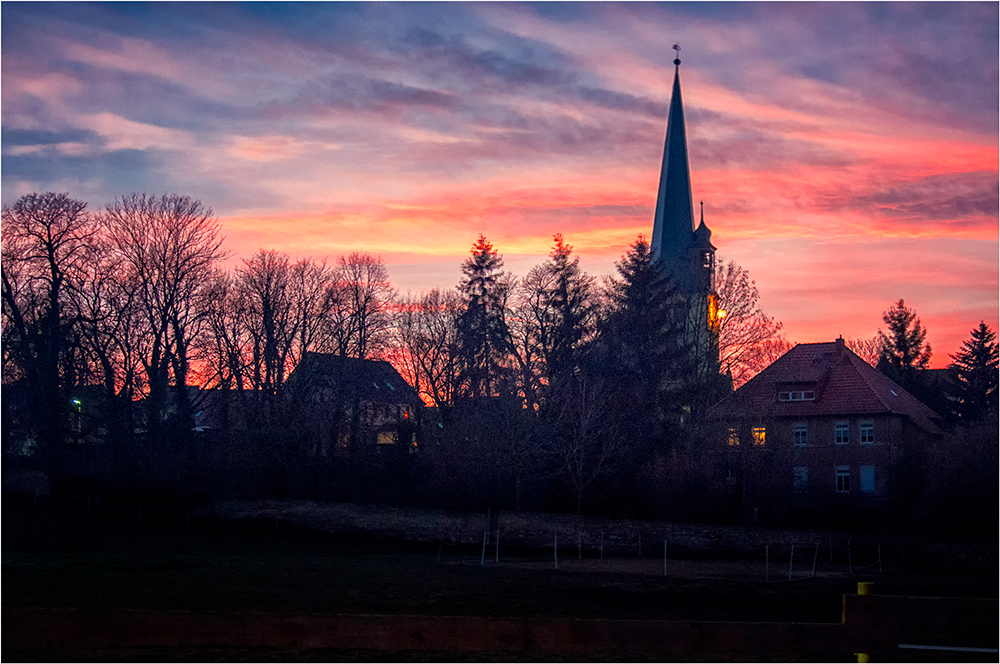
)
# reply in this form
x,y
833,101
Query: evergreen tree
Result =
x,y
975,372
569,303
642,342
484,343
904,350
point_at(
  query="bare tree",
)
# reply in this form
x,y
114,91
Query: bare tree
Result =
x,y
746,334
171,245
425,345
45,238
359,316
867,349
586,446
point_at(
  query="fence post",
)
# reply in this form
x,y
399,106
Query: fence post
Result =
x,y
555,548
791,558
482,557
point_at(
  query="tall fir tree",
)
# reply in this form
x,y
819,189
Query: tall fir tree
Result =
x,y
483,337
569,302
904,350
975,372
642,343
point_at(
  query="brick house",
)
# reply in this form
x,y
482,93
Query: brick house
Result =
x,y
345,401
822,430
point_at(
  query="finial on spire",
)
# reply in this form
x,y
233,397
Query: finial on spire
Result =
x,y
677,60
702,204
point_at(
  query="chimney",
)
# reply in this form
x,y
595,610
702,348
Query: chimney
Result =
x,y
840,346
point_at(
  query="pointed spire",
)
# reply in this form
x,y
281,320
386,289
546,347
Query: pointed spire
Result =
x,y
674,218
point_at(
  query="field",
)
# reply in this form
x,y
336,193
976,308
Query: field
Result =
x,y
59,558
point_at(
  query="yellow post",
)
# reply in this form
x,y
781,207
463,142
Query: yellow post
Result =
x,y
864,588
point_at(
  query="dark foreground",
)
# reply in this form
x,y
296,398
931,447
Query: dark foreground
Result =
x,y
67,572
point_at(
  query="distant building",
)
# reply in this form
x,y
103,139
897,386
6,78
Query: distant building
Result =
x,y
354,404
686,253
820,428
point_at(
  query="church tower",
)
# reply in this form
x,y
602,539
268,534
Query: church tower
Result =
x,y
685,253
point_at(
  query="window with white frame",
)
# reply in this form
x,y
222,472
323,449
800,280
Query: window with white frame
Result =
x,y
804,395
843,479
866,433
801,479
866,475
841,433
800,433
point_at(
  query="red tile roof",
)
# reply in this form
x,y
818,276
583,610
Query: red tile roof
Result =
x,y
844,385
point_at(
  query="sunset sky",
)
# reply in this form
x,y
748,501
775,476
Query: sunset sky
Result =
x,y
846,153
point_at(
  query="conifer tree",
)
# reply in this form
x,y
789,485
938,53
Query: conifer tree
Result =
x,y
570,307
904,350
483,336
642,341
975,371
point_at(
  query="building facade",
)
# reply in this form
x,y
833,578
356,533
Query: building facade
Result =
x,y
821,429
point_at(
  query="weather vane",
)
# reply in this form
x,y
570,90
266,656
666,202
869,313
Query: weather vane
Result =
x,y
677,60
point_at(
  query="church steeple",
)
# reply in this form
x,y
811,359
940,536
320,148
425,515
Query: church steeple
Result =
x,y
673,222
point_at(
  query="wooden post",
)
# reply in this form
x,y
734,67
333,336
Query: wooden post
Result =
x,y
555,548
791,559
815,556
482,557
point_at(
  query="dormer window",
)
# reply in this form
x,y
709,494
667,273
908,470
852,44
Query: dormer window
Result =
x,y
797,395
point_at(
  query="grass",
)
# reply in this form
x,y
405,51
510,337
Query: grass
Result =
x,y
58,559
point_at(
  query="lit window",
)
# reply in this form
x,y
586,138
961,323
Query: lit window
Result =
x,y
867,477
841,433
843,479
386,438
866,433
759,435
801,479
800,433
734,437
707,259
